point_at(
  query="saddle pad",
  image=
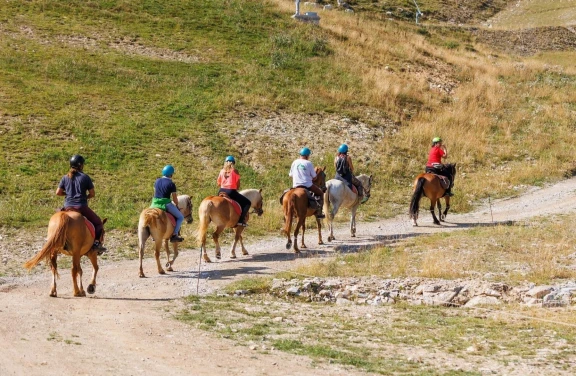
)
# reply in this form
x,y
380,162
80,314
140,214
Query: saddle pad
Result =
x,y
354,189
234,204
171,219
90,227
444,181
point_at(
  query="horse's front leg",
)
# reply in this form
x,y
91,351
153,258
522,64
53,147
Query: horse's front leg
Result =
x,y
54,269
299,224
244,250
237,237
93,256
330,219
319,224
447,206
157,246
302,245
77,274
353,222
439,205
433,211
171,262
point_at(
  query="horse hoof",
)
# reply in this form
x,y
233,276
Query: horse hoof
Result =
x,y
161,272
206,259
218,256
232,256
245,253
353,235
91,289
288,245
54,294
169,269
141,275
80,294
303,246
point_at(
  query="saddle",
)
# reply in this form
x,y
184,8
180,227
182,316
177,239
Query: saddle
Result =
x,y
350,185
444,181
312,198
234,204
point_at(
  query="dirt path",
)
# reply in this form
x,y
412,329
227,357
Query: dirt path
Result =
x,y
126,327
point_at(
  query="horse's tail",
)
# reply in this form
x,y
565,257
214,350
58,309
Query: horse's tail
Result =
x,y
415,202
289,208
152,217
204,214
55,243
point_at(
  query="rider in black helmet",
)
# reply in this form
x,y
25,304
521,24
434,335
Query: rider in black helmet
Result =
x,y
77,187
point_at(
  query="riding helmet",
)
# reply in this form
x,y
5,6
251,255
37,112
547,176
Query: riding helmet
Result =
x,y
76,161
436,139
230,159
305,152
168,170
343,148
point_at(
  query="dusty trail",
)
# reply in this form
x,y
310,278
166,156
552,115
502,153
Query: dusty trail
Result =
x,y
126,327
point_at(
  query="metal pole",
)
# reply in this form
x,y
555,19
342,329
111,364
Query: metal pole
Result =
x,y
418,13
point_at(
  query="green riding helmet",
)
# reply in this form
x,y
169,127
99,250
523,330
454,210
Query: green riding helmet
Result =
x,y
436,139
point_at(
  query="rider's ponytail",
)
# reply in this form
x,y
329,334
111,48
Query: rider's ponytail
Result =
x,y
73,171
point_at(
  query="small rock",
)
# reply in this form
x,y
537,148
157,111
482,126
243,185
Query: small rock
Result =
x,y
539,291
343,301
482,300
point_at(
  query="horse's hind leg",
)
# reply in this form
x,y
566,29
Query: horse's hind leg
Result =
x,y
447,206
237,237
93,256
215,237
353,222
54,269
77,275
157,247
143,235
319,224
433,211
439,205
244,250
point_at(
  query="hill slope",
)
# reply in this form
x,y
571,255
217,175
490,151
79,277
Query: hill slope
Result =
x,y
135,85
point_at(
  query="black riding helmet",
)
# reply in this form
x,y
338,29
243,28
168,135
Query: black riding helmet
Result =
x,y
76,161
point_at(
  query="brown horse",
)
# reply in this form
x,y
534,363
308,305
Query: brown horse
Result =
x,y
219,210
155,223
429,185
295,204
68,234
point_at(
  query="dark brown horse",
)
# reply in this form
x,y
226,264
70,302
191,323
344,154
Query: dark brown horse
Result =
x,y
68,234
295,204
429,185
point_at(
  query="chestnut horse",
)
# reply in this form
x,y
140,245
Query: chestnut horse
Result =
x,y
295,204
155,223
68,234
219,210
339,195
429,185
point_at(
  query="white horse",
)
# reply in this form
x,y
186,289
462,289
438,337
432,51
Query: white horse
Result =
x,y
337,195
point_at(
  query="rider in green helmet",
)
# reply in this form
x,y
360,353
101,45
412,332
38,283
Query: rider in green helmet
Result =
x,y
437,153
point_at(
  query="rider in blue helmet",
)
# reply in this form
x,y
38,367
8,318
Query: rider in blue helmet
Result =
x,y
434,165
345,170
166,198
302,173
229,183
77,187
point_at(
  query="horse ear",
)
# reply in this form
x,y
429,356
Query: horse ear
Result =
x,y
104,220
324,168
260,191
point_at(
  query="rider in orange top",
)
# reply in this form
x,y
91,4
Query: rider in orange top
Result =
x,y
229,183
434,164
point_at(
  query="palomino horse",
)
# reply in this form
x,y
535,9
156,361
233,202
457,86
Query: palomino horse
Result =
x,y
68,233
219,210
295,204
429,185
339,195
155,223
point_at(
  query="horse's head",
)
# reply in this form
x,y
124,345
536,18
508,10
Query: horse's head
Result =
x,y
256,200
366,184
320,179
185,207
101,240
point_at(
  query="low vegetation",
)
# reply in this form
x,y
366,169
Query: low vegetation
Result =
x,y
539,251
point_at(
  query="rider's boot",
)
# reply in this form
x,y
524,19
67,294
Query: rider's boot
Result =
x,y
175,238
449,192
98,247
319,213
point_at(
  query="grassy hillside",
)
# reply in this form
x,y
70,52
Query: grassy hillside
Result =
x,y
133,85
536,13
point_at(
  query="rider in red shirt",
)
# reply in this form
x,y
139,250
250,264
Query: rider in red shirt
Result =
x,y
434,164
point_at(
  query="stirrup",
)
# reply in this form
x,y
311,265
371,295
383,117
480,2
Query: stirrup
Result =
x,y
99,248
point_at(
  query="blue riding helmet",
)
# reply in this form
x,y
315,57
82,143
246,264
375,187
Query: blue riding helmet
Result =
x,y
343,148
168,170
230,159
305,152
